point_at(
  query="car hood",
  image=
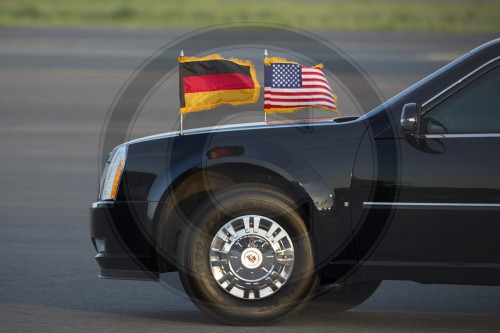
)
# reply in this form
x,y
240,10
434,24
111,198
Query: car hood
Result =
x,y
249,126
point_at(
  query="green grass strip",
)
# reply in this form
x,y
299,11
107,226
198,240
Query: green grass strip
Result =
x,y
456,16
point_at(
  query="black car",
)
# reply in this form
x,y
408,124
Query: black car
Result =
x,y
258,217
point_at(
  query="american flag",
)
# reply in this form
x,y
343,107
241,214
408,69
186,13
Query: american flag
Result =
x,y
289,87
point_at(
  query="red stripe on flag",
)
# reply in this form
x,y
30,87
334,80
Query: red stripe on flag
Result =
x,y
214,82
315,86
273,93
294,100
272,106
314,80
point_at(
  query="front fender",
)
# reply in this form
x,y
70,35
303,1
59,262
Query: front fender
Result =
x,y
319,161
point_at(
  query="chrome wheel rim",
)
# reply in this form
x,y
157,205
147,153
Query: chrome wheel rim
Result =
x,y
251,257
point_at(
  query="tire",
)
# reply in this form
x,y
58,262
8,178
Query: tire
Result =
x,y
344,297
244,276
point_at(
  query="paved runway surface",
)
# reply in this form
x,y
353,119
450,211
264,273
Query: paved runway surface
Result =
x,y
56,87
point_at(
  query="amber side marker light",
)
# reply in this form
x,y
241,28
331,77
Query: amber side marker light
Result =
x,y
113,173
116,180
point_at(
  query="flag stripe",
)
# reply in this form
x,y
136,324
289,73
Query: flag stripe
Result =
x,y
299,100
306,101
297,91
297,105
214,82
309,77
214,98
300,97
312,70
274,106
309,81
208,67
290,96
316,85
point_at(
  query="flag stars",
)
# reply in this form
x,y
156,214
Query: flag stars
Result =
x,y
286,76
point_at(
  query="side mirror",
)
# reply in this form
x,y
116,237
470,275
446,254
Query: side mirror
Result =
x,y
409,117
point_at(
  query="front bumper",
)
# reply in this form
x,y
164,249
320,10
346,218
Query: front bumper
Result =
x,y
123,252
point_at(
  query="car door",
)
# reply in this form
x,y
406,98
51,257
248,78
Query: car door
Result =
x,y
448,208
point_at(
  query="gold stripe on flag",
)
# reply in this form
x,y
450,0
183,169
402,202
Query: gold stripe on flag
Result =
x,y
209,99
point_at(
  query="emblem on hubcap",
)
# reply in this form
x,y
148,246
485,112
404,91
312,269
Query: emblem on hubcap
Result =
x,y
251,258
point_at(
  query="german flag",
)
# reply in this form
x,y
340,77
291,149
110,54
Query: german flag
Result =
x,y
207,82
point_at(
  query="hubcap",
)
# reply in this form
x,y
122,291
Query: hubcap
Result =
x,y
251,257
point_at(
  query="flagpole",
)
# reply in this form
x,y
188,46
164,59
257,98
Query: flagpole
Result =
x,y
265,56
182,125
182,115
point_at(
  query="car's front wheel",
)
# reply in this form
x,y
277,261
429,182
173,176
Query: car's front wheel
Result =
x,y
247,258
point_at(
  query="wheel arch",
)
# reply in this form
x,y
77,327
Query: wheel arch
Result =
x,y
194,187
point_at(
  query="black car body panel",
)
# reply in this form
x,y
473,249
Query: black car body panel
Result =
x,y
379,203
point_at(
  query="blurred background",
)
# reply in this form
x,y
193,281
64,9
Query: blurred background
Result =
x,y
457,16
63,63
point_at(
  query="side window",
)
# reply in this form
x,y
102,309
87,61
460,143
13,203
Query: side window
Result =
x,y
473,109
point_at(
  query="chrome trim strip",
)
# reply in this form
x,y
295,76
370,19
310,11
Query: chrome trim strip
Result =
x,y
458,82
423,205
458,136
428,264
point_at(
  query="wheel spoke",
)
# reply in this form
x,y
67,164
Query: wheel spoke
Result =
x,y
256,224
272,230
285,261
271,284
282,234
278,277
256,293
246,223
231,285
225,278
218,262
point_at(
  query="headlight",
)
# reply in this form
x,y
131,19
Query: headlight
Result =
x,y
113,173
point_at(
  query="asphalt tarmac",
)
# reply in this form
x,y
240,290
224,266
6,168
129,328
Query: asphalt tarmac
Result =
x,y
56,88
